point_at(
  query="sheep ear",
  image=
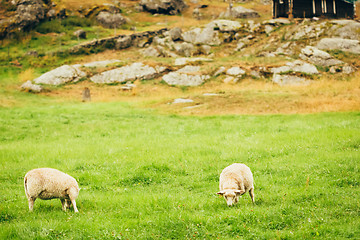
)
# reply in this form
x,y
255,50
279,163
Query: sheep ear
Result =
x,y
239,192
220,193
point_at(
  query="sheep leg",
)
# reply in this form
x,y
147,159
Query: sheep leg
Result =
x,y
31,203
252,195
73,195
63,203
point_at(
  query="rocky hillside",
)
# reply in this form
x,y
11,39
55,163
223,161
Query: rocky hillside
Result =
x,y
187,44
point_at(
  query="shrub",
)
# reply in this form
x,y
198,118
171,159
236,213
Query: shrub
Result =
x,y
53,26
75,21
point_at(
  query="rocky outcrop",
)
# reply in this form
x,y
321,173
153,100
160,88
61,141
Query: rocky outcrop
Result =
x,y
28,86
346,45
206,36
110,20
348,29
186,76
296,66
240,12
318,57
61,75
170,7
128,73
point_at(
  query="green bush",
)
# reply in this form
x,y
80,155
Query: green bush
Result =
x,y
75,21
53,26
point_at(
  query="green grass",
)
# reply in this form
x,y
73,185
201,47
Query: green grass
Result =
x,y
149,176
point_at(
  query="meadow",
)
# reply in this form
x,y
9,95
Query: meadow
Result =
x,y
146,175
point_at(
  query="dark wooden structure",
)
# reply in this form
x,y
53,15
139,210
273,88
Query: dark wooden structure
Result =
x,y
313,8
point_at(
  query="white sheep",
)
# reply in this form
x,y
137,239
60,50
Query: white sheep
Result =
x,y
48,183
236,180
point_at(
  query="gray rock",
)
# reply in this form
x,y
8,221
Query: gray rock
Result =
x,y
205,49
29,13
110,20
268,29
184,61
347,69
224,25
183,79
230,79
235,71
318,57
170,7
175,34
182,100
28,86
128,73
346,45
221,70
184,49
150,52
240,12
206,36
348,29
283,80
296,66
99,64
61,75
189,69
123,43
80,34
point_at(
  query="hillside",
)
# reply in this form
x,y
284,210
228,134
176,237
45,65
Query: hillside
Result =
x,y
258,46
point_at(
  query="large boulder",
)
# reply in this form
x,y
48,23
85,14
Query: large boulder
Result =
x,y
110,20
318,57
240,12
30,87
61,75
169,7
346,45
348,29
185,49
206,36
224,25
29,13
296,66
128,73
186,76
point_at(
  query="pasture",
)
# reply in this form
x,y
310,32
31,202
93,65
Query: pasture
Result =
x,y
145,175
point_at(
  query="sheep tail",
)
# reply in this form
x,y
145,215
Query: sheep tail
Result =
x,y
25,186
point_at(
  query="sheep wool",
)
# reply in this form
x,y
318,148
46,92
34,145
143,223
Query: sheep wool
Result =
x,y
235,180
49,183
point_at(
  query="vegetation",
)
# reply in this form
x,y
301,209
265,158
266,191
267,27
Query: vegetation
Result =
x,y
145,175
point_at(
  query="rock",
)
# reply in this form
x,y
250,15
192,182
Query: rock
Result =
x,y
240,12
186,76
348,29
305,31
347,69
205,49
183,79
268,29
99,64
221,70
184,49
110,20
86,96
29,13
230,79
128,86
80,34
235,71
128,73
255,74
290,80
184,61
346,45
150,52
224,25
296,66
318,57
170,7
182,100
28,86
61,75
123,42
202,36
175,34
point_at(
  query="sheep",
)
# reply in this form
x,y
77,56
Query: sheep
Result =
x,y
49,183
236,180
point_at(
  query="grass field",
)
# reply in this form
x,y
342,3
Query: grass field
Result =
x,y
145,175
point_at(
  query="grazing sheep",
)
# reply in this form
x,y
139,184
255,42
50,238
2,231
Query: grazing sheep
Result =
x,y
48,183
236,180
